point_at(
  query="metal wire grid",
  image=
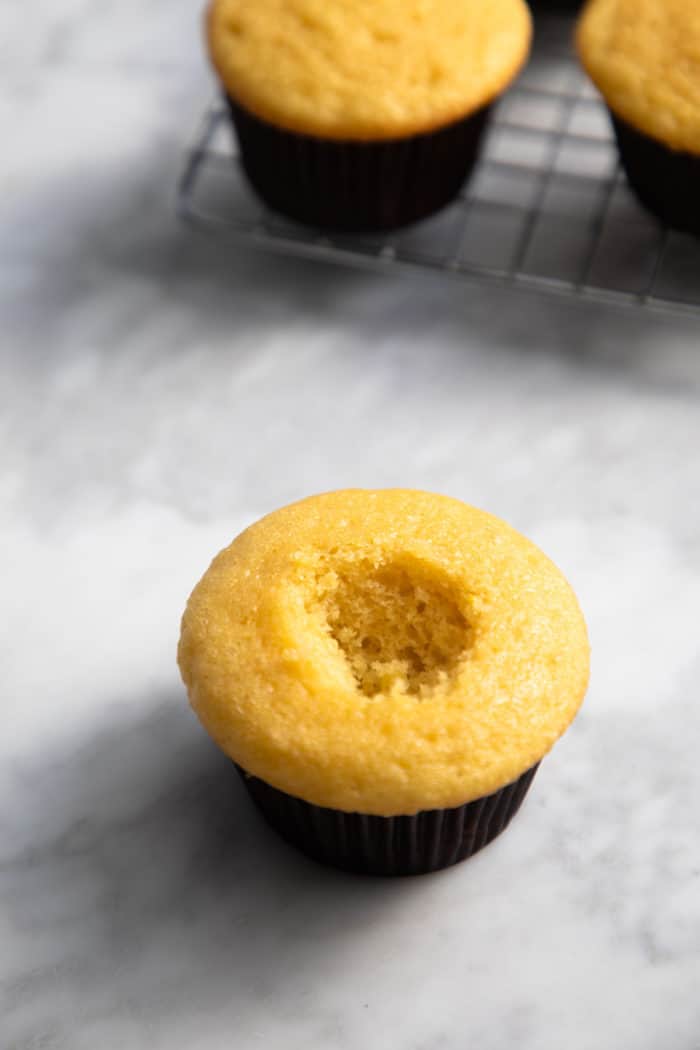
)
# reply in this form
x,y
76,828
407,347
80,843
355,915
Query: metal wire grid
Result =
x,y
547,207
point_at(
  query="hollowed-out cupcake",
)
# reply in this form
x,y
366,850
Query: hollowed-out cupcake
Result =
x,y
644,57
387,669
363,114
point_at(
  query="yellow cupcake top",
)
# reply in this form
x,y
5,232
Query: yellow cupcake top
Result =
x,y
644,57
366,69
384,651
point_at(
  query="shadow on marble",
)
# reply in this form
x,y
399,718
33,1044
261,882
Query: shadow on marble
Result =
x,y
113,265
175,285
147,883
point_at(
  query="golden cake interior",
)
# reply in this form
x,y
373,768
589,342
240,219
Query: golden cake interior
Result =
x,y
398,625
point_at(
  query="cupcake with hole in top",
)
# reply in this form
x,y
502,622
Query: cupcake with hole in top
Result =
x,y
363,114
387,669
644,57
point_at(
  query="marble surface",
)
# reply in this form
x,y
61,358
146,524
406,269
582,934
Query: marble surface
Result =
x,y
159,391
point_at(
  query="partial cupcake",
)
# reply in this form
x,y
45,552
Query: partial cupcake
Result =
x,y
363,114
644,57
387,669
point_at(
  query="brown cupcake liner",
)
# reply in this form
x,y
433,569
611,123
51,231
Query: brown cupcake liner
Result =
x,y
356,186
404,845
667,181
558,6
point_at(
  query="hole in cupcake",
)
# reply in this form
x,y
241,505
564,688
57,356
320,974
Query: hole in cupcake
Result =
x,y
235,27
399,627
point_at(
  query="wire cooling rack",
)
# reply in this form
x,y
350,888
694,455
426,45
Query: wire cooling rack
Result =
x,y
547,207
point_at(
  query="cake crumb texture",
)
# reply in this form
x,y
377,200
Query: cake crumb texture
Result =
x,y
644,57
384,651
366,69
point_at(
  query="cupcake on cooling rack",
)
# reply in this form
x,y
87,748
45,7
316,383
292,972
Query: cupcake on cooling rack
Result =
x,y
644,57
363,114
387,669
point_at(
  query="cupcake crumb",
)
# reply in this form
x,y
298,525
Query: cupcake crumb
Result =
x,y
399,627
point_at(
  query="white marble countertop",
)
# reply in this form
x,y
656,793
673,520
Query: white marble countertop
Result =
x,y
157,392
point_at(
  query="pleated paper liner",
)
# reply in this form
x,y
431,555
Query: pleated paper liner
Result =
x,y
357,186
404,845
556,6
667,181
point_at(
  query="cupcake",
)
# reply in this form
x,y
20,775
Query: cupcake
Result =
x,y
644,57
363,114
386,669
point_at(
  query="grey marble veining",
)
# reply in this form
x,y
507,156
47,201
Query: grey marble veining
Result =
x,y
157,393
